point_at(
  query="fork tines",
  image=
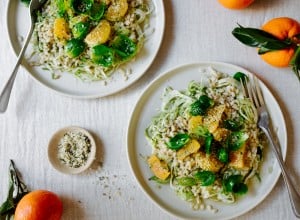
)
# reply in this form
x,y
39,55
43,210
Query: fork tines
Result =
x,y
251,89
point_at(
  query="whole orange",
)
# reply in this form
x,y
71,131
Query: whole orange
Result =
x,y
236,4
282,28
39,205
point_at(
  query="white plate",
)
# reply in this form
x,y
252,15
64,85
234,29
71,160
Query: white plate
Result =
x,y
148,106
18,23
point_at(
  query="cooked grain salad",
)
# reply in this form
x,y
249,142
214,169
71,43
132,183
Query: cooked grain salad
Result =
x,y
89,38
205,140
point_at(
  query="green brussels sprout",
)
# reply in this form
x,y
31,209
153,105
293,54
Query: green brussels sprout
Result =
x,y
74,47
205,177
103,55
80,30
200,106
61,7
239,76
233,125
178,141
223,155
82,6
235,184
124,46
236,140
97,11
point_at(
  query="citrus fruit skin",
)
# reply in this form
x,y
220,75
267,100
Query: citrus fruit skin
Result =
x,y
236,4
39,205
282,28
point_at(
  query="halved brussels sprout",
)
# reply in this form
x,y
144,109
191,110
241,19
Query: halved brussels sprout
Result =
x,y
82,6
239,76
103,55
78,18
124,47
97,11
80,30
74,47
236,140
235,184
178,141
205,177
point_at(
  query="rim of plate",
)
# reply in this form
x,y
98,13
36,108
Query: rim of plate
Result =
x,y
135,111
157,3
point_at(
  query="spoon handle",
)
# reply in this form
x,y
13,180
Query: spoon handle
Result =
x,y
5,93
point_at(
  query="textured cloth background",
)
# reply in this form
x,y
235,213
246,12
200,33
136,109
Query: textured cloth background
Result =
x,y
196,30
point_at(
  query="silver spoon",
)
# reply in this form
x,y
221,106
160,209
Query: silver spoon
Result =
x,y
5,93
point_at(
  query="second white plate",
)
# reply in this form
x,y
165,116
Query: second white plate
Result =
x,y
138,148
18,22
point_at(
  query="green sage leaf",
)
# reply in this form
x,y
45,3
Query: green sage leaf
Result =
x,y
259,38
16,190
295,63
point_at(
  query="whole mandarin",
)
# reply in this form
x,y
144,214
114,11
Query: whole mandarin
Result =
x,y
236,4
39,205
282,28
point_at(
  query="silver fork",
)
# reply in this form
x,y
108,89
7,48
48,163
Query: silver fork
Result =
x,y
252,90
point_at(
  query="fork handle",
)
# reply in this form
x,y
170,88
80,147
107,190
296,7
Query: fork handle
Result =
x,y
293,193
5,93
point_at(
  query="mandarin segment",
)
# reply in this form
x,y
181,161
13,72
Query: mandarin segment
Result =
x,y
192,147
61,29
239,159
213,118
194,122
208,162
158,167
100,34
117,10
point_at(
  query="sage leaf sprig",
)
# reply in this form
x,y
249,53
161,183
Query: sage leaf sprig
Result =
x,y
259,38
266,42
16,190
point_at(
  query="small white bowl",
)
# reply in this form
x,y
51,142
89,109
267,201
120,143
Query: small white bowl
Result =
x,y
53,151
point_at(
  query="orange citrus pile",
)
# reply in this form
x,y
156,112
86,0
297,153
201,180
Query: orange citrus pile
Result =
x,y
282,28
39,205
236,4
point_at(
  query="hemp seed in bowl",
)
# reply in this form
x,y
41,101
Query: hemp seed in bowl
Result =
x,y
71,150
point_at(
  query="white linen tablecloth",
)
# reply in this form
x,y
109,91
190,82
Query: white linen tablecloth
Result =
x,y
196,30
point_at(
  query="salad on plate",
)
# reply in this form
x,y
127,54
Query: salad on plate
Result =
x,y
205,140
89,38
